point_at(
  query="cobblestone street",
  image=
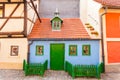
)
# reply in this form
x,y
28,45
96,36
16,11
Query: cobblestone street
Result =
x,y
51,75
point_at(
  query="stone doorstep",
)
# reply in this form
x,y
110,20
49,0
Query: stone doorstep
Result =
x,y
112,68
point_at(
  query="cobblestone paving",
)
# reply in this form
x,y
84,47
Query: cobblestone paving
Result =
x,y
51,75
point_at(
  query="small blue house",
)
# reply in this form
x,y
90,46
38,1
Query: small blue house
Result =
x,y
59,40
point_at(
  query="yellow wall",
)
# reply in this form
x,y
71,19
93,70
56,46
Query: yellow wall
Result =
x,y
13,62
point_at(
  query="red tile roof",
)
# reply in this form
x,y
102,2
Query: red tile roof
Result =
x,y
109,2
71,29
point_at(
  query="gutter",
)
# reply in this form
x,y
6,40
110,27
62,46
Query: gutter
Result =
x,y
102,37
28,55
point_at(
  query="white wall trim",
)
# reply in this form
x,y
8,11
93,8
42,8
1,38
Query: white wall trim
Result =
x,y
113,64
105,42
112,39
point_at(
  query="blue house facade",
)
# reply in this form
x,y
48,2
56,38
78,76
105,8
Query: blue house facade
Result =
x,y
79,58
59,42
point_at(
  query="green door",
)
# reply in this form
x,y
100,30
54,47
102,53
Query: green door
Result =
x,y
57,56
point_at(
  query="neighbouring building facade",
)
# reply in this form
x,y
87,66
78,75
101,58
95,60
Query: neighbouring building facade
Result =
x,y
110,23
16,20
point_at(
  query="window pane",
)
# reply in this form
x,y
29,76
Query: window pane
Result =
x,y
73,50
39,50
14,50
86,50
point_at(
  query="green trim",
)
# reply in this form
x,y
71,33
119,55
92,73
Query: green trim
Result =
x,y
56,23
86,52
38,51
57,61
72,52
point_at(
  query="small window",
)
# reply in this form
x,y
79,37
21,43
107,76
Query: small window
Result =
x,y
86,50
14,50
39,50
72,50
56,25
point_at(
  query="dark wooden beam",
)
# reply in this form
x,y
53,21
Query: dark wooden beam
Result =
x,y
25,18
10,33
31,20
35,10
15,17
9,0
9,16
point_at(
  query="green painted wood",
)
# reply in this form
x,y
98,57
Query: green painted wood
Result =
x,y
35,68
83,70
57,56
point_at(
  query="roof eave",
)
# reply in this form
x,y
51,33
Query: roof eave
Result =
x,y
60,39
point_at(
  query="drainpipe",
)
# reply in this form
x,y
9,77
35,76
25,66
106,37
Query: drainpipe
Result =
x,y
102,37
28,55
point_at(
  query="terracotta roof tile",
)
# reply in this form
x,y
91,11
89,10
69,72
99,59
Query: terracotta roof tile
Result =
x,y
109,2
71,28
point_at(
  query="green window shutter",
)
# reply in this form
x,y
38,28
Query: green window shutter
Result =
x,y
86,50
73,50
39,50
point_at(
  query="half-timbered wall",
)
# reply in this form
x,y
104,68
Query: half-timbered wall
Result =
x,y
31,16
12,19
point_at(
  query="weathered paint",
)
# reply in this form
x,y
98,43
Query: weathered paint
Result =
x,y
12,62
113,51
79,59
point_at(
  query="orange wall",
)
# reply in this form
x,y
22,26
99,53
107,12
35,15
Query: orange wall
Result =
x,y
113,25
113,49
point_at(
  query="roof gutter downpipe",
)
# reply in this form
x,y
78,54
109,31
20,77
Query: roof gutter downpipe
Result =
x,y
28,56
102,37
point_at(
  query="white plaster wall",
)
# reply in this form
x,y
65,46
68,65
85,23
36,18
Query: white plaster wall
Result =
x,y
93,16
5,50
83,10
32,16
10,8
